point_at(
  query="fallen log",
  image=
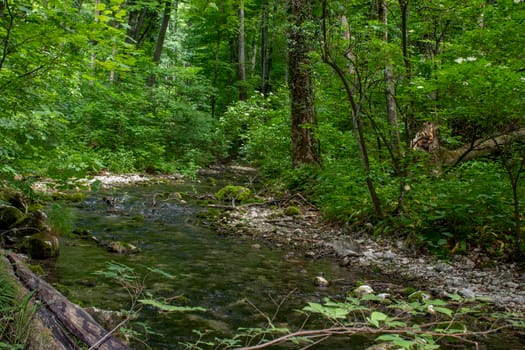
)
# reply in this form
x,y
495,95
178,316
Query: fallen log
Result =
x,y
64,313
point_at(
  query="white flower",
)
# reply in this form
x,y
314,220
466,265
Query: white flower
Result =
x,y
419,87
471,59
459,60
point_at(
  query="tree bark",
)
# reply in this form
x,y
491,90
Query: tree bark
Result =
x,y
77,321
6,39
305,146
161,38
264,47
243,95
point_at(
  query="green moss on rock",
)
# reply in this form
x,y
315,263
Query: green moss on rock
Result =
x,y
234,193
9,215
292,211
41,246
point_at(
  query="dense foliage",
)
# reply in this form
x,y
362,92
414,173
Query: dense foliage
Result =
x,y
162,86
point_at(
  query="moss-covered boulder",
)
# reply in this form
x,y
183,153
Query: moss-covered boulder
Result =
x,y
292,211
36,221
14,198
9,215
234,194
42,245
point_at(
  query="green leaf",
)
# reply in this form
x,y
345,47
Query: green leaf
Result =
x,y
327,311
397,340
443,310
376,317
161,272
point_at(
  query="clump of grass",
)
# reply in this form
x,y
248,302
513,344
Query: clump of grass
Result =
x,y
15,314
61,218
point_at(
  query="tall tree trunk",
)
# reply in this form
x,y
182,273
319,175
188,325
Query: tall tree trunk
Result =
x,y
161,38
10,24
391,111
93,57
403,5
305,146
267,38
216,72
243,95
264,46
391,107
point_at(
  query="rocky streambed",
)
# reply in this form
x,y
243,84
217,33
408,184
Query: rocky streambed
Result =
x,y
472,276
305,233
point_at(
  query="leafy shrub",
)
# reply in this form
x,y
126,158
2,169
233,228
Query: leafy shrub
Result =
x,y
252,128
468,207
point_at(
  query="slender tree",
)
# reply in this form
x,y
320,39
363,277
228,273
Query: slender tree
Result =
x,y
243,94
168,4
305,146
352,80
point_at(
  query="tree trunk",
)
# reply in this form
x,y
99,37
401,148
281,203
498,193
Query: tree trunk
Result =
x,y
216,72
6,39
75,319
391,107
391,110
305,146
243,95
264,47
162,36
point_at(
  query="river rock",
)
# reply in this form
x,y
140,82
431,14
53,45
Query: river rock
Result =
x,y
36,221
320,281
122,248
9,215
467,293
42,245
363,290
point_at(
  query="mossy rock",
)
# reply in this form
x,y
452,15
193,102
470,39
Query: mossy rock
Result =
x,y
9,215
36,220
41,246
292,211
13,197
234,193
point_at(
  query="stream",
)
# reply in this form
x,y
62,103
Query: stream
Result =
x,y
236,281
239,282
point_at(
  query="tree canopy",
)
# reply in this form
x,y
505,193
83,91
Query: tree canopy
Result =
x,y
404,114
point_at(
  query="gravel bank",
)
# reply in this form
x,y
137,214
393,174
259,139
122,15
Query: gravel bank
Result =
x,y
470,276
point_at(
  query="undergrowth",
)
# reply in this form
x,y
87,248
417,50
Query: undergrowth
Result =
x,y
15,314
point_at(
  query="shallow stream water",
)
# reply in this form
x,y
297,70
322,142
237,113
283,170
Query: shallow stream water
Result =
x,y
238,282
